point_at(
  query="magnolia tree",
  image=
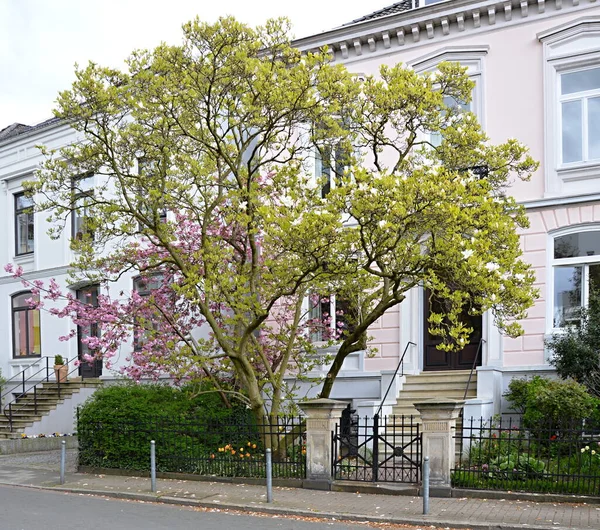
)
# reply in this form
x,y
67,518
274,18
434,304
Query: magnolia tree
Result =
x,y
222,133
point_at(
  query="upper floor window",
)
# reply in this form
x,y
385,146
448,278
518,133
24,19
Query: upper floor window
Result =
x,y
145,321
572,107
27,338
575,268
580,115
83,192
470,57
24,231
148,167
331,162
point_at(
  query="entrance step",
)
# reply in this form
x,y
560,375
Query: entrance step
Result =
x,y
433,385
23,411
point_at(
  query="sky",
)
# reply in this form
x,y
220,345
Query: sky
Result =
x,y
41,40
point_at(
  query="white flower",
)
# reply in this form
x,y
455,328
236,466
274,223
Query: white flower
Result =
x,y
467,253
382,223
491,266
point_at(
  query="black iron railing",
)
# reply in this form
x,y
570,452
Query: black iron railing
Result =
x,y
477,354
386,449
25,390
399,368
503,454
233,449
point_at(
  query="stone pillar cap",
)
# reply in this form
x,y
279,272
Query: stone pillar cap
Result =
x,y
323,403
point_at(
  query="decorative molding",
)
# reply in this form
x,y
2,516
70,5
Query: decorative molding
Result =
x,y
429,27
344,50
449,53
460,20
400,37
439,20
415,33
385,37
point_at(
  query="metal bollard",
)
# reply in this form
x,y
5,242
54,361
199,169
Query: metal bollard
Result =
x,y
269,476
426,485
63,460
153,466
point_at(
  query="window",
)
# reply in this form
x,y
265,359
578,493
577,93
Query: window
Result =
x,y
26,326
148,167
331,316
87,295
470,57
572,107
452,103
330,160
24,232
144,286
83,191
575,267
579,102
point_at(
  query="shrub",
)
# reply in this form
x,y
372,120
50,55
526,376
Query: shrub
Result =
x,y
551,402
116,424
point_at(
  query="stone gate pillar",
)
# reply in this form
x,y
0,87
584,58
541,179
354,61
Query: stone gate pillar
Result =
x,y
321,417
439,423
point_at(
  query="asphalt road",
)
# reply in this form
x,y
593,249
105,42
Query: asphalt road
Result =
x,y
33,509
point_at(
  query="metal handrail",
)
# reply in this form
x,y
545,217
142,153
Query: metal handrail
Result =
x,y
23,380
481,341
21,377
394,376
9,409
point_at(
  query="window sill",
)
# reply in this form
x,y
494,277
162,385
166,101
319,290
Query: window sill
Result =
x,y
581,171
20,358
23,258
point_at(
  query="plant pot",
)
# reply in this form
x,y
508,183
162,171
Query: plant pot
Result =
x,y
61,371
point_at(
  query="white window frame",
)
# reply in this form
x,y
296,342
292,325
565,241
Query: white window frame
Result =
x,y
582,96
332,314
553,263
567,48
471,57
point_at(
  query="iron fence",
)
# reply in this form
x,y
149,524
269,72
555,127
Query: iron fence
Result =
x,y
386,449
235,449
504,454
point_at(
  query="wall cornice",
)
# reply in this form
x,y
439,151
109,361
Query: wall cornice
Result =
x,y
436,22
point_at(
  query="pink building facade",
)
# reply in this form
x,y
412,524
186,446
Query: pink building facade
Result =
x,y
536,68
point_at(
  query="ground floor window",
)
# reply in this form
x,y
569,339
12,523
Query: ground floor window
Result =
x,y
27,337
576,273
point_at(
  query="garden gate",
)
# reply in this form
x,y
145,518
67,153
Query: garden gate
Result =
x,y
378,449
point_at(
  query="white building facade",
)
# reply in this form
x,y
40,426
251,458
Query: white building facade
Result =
x,y
536,68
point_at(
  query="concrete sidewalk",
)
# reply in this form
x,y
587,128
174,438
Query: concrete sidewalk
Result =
x,y
41,470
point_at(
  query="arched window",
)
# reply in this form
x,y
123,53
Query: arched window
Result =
x,y
27,337
575,268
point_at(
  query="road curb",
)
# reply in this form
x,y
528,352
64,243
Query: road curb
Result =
x,y
273,510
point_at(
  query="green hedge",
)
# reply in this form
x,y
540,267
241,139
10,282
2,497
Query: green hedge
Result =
x,y
116,424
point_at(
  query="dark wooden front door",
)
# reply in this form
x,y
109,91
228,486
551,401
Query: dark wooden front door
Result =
x,y
438,360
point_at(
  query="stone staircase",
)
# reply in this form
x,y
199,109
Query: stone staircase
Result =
x,y
428,385
25,413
